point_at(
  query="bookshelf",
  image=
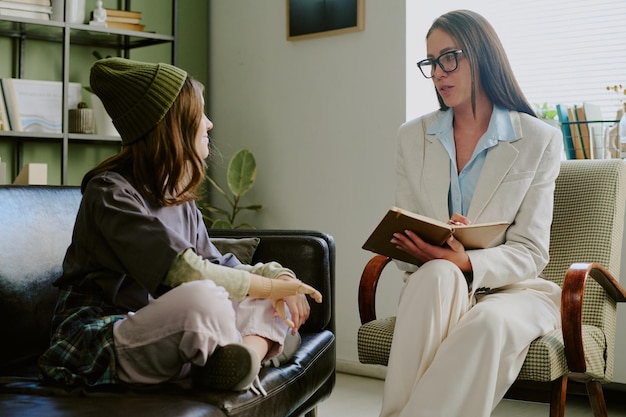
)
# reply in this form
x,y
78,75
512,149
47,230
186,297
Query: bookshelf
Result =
x,y
51,35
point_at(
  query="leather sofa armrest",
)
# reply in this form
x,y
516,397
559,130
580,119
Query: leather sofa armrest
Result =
x,y
310,254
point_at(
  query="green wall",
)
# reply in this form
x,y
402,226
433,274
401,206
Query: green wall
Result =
x,y
44,61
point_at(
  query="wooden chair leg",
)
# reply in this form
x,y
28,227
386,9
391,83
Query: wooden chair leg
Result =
x,y
557,397
596,398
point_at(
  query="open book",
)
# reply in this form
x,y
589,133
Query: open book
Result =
x,y
473,236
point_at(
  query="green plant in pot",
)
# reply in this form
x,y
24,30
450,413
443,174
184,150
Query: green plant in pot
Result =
x,y
240,176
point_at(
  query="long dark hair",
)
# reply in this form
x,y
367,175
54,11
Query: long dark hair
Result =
x,y
486,56
163,165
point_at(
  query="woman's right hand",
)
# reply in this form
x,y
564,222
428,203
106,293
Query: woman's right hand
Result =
x,y
458,219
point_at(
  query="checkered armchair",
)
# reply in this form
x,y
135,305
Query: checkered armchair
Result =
x,y
585,254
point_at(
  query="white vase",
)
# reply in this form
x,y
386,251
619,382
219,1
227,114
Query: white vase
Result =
x,y
104,124
75,11
622,130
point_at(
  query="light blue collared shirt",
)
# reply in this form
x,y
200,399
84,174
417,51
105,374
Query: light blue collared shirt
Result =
x,y
463,184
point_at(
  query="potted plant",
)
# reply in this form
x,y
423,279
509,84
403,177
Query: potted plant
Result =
x,y
547,113
240,176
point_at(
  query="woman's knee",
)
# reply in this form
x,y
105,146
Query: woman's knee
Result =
x,y
439,275
436,284
201,297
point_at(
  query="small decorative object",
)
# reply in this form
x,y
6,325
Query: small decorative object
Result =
x,y
81,119
241,175
98,15
620,90
622,131
32,174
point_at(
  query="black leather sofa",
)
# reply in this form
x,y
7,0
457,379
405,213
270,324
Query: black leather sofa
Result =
x,y
35,230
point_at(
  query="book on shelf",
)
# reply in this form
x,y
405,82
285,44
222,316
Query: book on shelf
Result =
x,y
568,144
593,113
35,106
585,135
123,13
39,2
125,26
576,138
123,19
16,5
24,13
435,232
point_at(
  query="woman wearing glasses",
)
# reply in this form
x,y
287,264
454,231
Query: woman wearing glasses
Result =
x,y
467,317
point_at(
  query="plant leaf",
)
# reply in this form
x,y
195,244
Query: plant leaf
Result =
x,y
216,210
244,226
255,207
221,224
217,187
241,172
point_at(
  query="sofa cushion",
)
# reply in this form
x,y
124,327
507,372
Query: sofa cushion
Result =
x,y
243,248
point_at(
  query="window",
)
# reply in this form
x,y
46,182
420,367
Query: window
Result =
x,y
562,51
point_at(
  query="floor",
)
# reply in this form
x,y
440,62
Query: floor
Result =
x,y
356,396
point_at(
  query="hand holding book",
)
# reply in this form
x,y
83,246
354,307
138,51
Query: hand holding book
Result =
x,y
435,232
459,220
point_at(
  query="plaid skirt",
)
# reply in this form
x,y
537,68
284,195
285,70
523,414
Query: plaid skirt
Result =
x,y
81,349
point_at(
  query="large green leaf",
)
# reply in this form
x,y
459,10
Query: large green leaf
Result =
x,y
241,172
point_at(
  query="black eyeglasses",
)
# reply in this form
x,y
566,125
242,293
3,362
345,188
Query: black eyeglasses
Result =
x,y
448,62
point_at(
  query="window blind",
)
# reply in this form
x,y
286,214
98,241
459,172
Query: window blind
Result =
x,y
563,51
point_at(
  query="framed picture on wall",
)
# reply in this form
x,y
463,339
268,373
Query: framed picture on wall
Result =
x,y
314,18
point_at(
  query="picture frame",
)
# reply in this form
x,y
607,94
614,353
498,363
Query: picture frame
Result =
x,y
308,19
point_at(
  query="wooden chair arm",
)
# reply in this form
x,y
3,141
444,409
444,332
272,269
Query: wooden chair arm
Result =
x,y
367,287
572,307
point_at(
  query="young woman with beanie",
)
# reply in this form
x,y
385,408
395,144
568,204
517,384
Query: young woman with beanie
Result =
x,y
145,297
466,318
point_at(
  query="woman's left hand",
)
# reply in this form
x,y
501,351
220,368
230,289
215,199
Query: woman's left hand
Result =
x,y
453,250
298,306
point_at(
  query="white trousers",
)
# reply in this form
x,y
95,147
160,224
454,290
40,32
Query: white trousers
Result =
x,y
453,355
184,326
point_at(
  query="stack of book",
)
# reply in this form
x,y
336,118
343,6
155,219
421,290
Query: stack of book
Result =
x,y
31,9
124,19
583,132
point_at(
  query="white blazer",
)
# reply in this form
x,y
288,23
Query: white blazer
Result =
x,y
516,185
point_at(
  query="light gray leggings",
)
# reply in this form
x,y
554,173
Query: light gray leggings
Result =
x,y
184,326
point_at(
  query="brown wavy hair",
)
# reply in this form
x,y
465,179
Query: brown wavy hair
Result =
x,y
486,56
163,165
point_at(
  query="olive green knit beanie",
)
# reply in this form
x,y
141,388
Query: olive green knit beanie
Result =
x,y
137,95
